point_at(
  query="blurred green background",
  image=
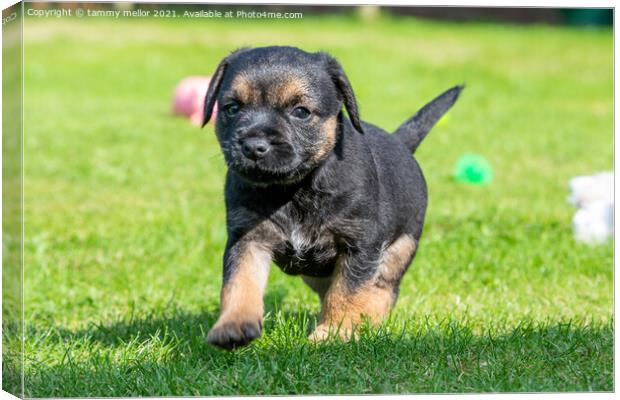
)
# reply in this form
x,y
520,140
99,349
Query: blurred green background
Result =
x,y
11,199
125,227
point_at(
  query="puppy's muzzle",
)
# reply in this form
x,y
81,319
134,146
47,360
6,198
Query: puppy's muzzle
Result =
x,y
255,148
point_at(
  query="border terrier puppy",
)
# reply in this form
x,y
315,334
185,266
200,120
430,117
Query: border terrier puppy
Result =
x,y
336,200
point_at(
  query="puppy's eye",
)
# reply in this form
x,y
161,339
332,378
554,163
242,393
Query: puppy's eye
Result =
x,y
231,109
301,112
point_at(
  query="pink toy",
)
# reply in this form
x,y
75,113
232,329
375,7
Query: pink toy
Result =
x,y
189,97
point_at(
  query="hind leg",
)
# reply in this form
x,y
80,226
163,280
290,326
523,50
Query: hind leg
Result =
x,y
344,306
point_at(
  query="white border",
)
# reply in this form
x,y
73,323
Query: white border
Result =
x,y
429,3
479,3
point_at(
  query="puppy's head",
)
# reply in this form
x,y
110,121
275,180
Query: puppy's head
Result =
x,y
278,111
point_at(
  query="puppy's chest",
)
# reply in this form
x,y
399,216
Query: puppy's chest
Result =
x,y
307,247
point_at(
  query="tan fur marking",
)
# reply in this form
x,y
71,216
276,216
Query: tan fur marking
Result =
x,y
348,308
396,257
283,93
242,294
244,90
342,311
329,138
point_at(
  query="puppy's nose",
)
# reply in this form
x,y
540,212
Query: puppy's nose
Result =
x,y
255,148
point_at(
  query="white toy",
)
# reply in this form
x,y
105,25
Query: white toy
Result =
x,y
593,195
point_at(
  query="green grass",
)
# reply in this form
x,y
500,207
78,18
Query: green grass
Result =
x,y
125,223
11,204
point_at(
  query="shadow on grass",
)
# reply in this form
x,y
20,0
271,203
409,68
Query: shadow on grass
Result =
x,y
172,322
167,355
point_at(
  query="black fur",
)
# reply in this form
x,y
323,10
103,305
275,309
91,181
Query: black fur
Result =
x,y
345,90
361,195
415,129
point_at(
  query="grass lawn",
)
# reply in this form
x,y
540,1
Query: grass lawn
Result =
x,y
125,217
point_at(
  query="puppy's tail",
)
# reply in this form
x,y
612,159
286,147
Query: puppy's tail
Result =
x,y
415,129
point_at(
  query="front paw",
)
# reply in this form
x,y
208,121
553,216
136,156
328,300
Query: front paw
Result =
x,y
320,334
324,331
232,333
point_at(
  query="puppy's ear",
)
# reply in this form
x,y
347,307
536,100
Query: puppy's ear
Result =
x,y
216,83
214,89
344,89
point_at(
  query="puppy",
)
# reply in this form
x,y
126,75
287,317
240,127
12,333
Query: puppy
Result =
x,y
336,200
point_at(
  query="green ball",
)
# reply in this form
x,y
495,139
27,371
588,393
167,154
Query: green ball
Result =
x,y
473,169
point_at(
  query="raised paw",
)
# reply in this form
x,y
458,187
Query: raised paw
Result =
x,y
231,334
